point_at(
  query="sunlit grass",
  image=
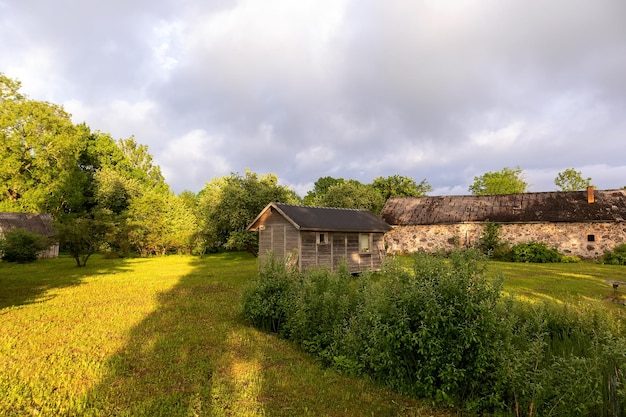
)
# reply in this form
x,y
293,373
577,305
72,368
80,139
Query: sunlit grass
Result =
x,y
159,337
563,282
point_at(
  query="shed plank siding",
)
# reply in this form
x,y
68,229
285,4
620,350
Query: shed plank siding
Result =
x,y
340,249
308,250
324,256
354,257
278,237
287,230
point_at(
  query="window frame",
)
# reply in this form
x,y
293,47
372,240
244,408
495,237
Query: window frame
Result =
x,y
322,238
362,249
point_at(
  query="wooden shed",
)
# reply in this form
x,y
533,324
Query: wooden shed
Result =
x,y
34,223
321,236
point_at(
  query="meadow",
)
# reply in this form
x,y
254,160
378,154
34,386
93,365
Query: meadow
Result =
x,y
164,336
159,337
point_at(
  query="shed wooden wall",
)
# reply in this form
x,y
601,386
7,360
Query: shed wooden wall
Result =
x,y
341,247
278,237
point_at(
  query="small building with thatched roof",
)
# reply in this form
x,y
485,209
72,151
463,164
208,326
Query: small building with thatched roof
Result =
x,y
34,223
577,223
309,237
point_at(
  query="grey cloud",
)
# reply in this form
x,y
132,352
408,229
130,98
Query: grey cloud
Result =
x,y
430,89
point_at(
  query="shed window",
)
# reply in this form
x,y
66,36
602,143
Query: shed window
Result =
x,y
364,243
322,238
591,238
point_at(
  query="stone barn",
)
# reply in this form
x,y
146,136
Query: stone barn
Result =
x,y
321,237
34,223
577,223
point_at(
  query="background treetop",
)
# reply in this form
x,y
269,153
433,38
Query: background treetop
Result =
x,y
505,181
571,180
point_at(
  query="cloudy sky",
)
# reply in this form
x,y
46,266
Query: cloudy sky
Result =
x,y
442,90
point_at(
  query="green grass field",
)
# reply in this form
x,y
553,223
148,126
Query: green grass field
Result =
x,y
564,282
159,337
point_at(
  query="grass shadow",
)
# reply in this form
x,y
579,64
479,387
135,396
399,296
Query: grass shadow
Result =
x,y
22,284
194,356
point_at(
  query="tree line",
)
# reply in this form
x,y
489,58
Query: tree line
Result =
x,y
109,195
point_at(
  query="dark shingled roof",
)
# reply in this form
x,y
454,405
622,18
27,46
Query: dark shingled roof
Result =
x,y
558,206
327,219
34,223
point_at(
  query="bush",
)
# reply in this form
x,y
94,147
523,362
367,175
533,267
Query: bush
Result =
x,y
617,256
536,252
444,331
490,238
263,302
22,246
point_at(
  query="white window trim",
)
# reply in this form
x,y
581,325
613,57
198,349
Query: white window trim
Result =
x,y
369,243
322,238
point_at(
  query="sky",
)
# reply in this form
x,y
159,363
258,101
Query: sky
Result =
x,y
442,90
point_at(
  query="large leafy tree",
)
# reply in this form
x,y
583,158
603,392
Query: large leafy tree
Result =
x,y
352,194
229,204
505,181
400,186
40,147
87,180
320,187
571,180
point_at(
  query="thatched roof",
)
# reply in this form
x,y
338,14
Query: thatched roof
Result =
x,y
35,223
325,219
571,206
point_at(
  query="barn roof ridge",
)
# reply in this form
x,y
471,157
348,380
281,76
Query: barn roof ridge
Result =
x,y
547,206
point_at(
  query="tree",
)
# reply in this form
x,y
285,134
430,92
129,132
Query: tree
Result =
x,y
400,186
320,187
81,237
38,156
571,180
352,194
506,181
229,204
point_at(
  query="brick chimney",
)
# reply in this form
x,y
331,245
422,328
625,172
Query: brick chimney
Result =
x,y
590,195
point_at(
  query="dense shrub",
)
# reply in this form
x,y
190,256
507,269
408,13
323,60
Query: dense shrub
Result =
x,y
264,301
490,238
445,332
22,246
617,256
536,252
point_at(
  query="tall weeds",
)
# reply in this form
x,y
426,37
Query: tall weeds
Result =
x,y
443,331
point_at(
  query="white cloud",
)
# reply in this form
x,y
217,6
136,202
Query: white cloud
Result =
x,y
193,159
442,90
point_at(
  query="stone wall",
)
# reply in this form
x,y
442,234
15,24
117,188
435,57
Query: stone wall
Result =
x,y
585,240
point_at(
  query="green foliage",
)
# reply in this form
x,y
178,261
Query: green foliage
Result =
x,y
264,302
617,256
82,237
490,238
571,180
22,246
352,194
319,304
228,204
40,147
536,252
320,187
565,360
506,181
400,186
446,332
